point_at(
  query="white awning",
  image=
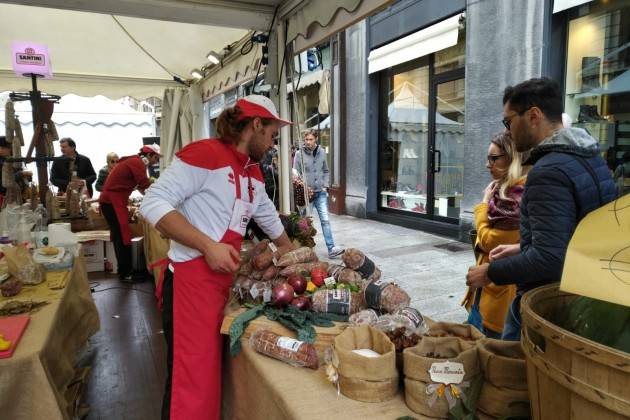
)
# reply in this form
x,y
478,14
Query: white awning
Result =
x,y
426,41
94,53
236,70
317,21
306,79
560,5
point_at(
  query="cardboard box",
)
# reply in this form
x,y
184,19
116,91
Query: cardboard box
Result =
x,y
94,254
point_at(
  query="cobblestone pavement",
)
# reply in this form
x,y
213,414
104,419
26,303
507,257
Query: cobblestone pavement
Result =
x,y
429,267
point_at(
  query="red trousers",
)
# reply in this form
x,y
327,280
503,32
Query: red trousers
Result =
x,y
195,298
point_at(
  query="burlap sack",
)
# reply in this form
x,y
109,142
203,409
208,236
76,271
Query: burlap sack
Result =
x,y
448,329
362,378
22,266
504,391
418,361
503,363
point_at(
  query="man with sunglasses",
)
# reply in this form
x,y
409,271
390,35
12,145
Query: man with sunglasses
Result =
x,y
568,180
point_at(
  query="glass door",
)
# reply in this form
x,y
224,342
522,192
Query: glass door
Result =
x,y
447,147
404,163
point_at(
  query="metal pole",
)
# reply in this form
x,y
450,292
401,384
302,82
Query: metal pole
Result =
x,y
285,146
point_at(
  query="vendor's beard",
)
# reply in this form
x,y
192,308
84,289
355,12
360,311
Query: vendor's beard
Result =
x,y
257,151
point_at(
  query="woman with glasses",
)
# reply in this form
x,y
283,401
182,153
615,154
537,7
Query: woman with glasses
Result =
x,y
497,223
112,159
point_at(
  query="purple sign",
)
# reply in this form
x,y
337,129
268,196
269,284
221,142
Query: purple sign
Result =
x,y
30,58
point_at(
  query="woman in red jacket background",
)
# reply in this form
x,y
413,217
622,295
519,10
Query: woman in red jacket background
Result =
x,y
129,174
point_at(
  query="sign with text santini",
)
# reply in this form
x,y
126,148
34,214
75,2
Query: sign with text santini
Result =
x,y
30,58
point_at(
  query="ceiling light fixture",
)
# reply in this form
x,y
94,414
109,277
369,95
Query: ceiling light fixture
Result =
x,y
197,74
213,57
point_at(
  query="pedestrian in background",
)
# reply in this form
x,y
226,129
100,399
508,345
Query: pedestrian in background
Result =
x,y
112,159
315,172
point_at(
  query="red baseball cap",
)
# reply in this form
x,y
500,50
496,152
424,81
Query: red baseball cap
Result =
x,y
259,106
151,148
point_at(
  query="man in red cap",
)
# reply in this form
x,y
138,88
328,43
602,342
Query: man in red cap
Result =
x,y
203,202
129,174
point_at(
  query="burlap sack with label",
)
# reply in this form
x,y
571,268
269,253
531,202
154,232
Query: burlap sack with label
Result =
x,y
364,378
447,329
22,266
504,391
417,363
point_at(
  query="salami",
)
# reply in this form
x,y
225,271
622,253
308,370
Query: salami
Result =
x,y
364,317
384,296
349,276
338,301
288,350
271,273
300,255
357,261
334,270
263,260
305,268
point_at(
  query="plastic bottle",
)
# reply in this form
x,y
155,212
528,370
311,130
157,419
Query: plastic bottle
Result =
x,y
41,226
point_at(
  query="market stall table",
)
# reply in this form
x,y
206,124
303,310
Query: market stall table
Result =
x,y
34,381
259,387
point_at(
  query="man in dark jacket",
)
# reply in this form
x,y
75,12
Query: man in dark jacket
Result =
x,y
60,173
568,180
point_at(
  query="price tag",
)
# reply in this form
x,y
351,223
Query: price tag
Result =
x,y
289,343
267,295
447,373
273,249
330,281
254,292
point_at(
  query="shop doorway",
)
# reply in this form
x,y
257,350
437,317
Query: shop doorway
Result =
x,y
446,147
422,141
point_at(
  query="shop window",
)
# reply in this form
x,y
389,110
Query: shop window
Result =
x,y
404,149
598,81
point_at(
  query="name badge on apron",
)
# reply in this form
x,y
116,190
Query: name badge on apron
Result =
x,y
241,216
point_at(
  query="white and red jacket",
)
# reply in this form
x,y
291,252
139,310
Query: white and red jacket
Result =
x,y
201,183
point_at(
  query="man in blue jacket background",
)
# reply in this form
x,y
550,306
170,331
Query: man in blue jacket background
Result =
x,y
568,180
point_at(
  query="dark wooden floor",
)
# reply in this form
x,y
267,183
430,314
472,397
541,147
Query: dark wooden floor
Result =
x,y
128,354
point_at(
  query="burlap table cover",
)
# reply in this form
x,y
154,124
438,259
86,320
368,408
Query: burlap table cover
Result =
x,y
155,247
258,387
33,381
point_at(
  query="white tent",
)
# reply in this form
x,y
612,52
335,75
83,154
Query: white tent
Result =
x,y
98,125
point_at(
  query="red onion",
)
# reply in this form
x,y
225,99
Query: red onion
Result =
x,y
303,303
282,295
298,283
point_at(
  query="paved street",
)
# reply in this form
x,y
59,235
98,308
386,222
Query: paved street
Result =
x,y
434,277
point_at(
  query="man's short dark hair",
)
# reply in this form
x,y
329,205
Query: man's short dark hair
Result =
x,y
70,142
543,93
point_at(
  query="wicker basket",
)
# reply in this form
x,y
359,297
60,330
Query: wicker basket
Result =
x,y
569,376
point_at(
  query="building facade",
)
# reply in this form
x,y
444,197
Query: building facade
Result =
x,y
423,87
